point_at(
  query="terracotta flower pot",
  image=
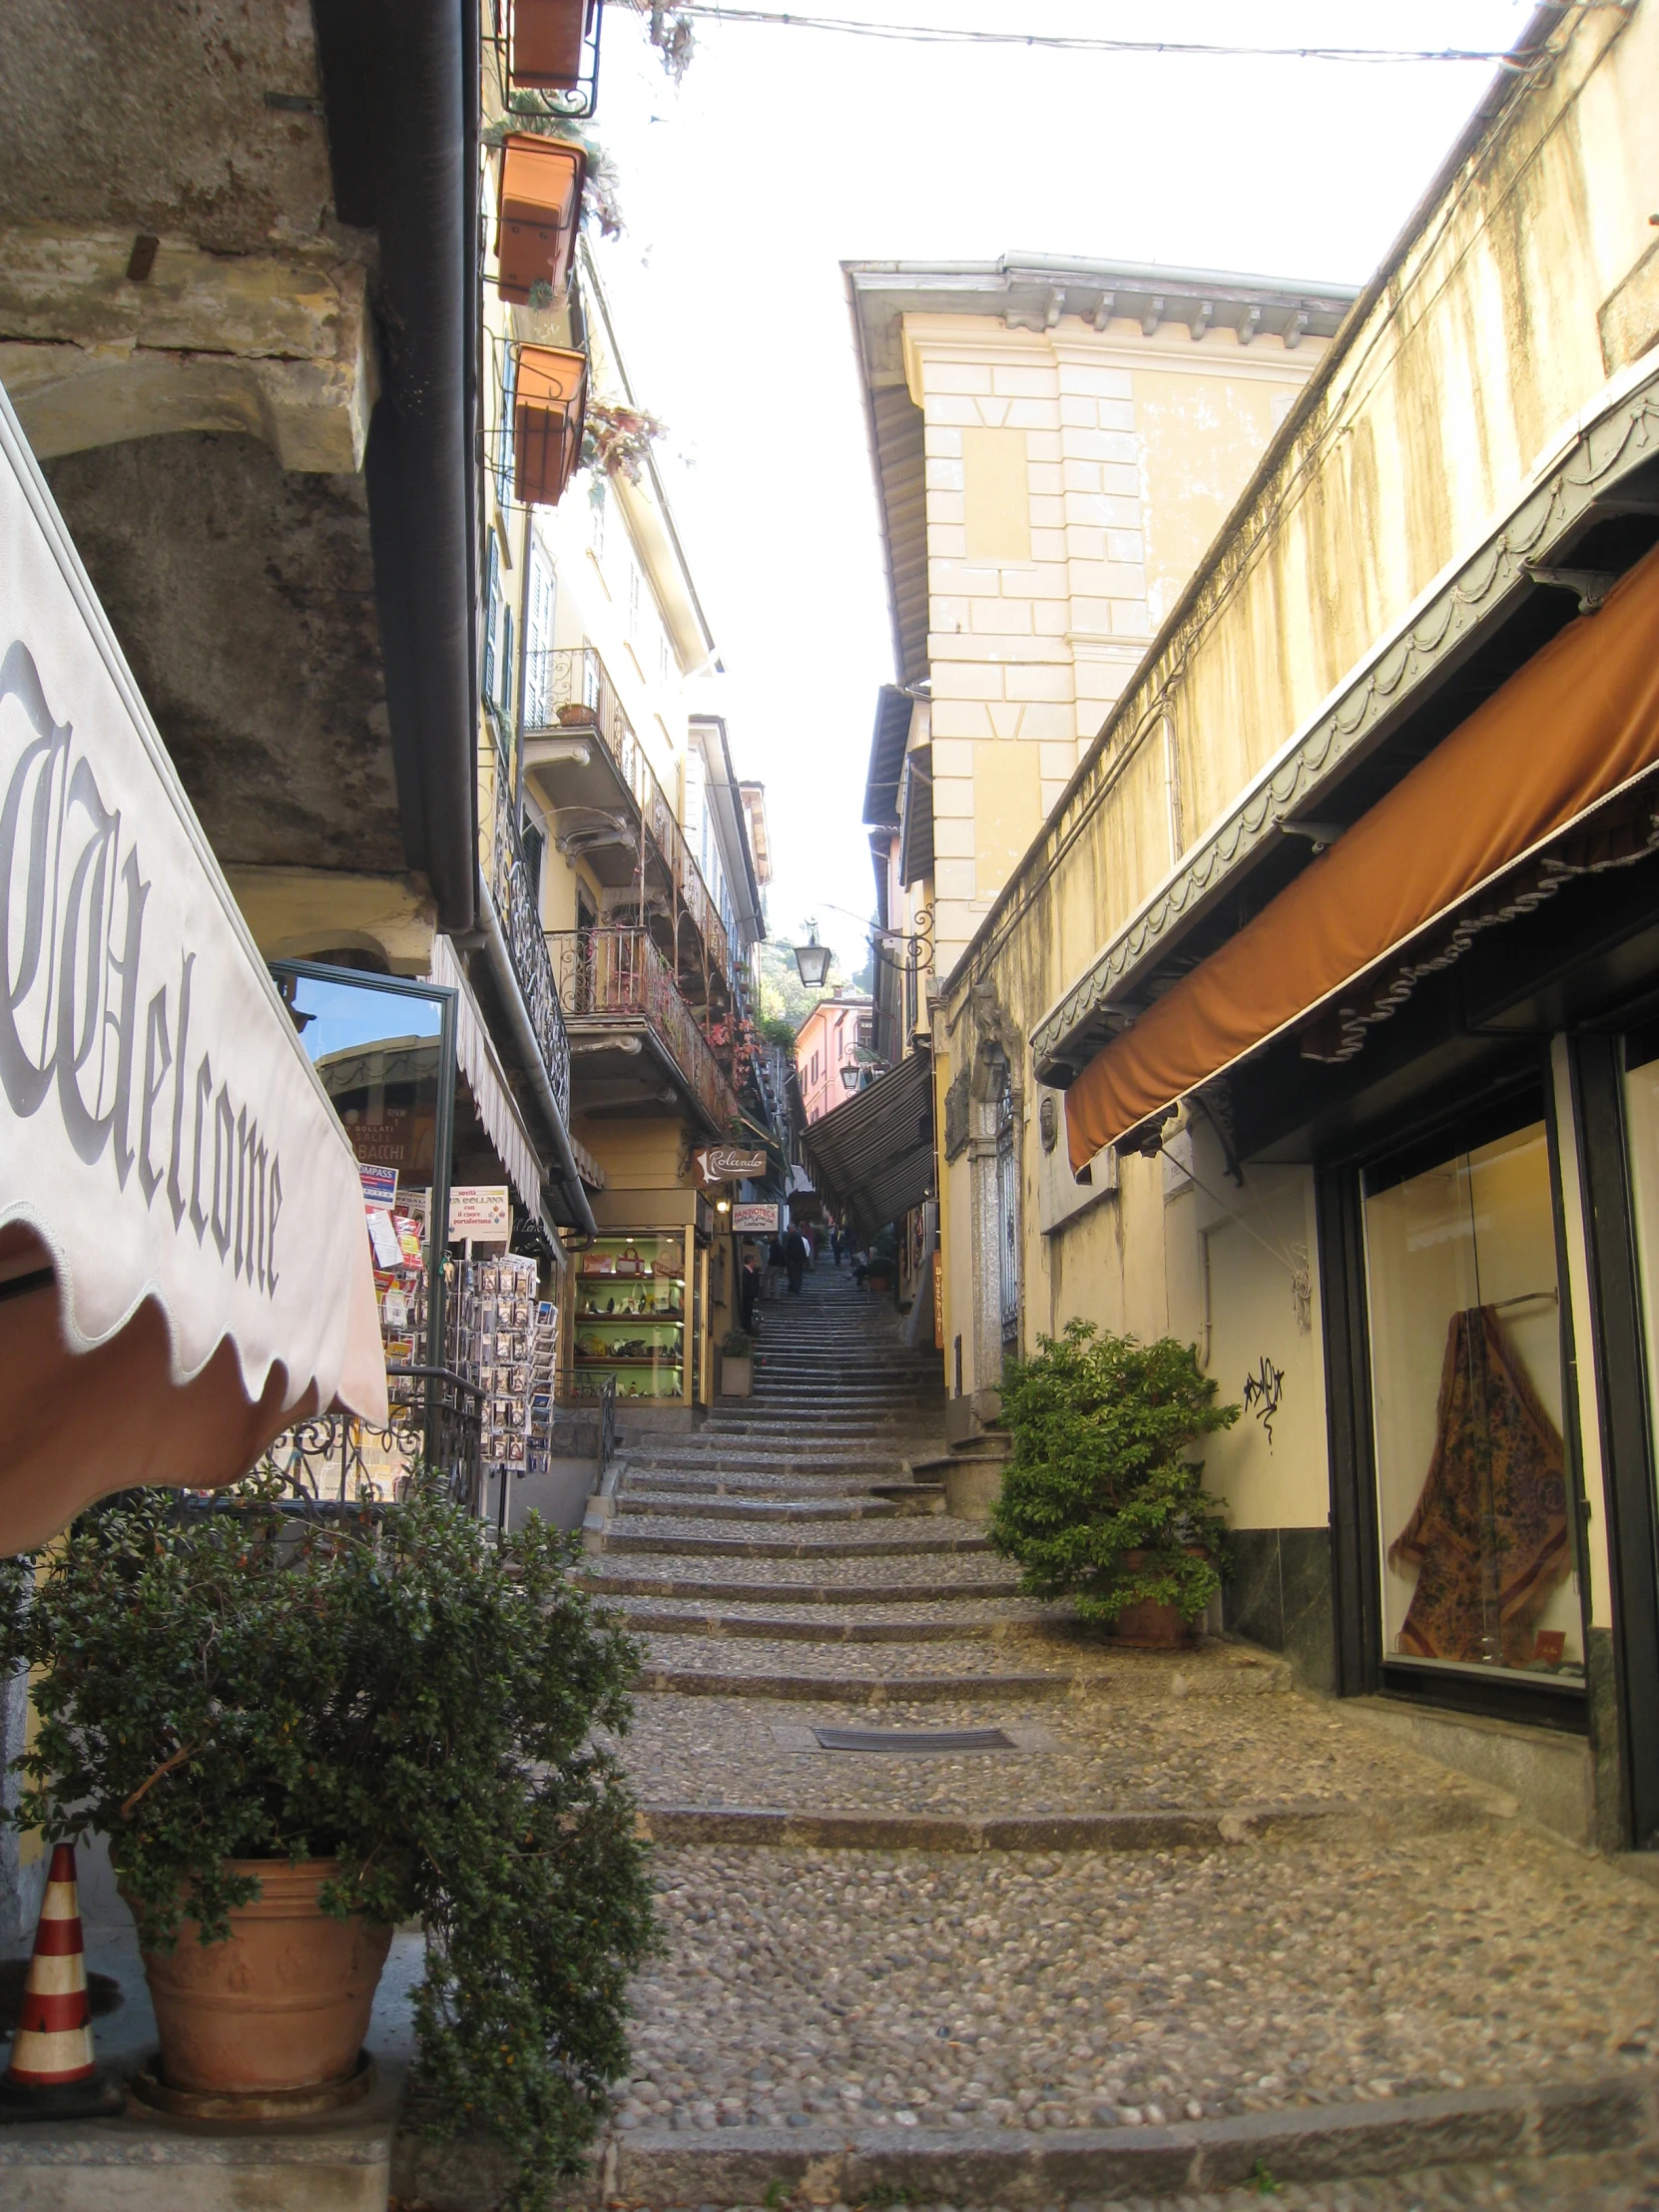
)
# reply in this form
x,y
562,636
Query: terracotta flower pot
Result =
x,y
1151,1625
283,2003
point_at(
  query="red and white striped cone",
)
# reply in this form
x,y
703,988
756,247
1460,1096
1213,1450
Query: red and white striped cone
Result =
x,y
54,2073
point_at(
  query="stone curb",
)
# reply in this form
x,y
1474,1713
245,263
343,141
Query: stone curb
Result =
x,y
767,1629
777,1547
1059,1832
612,1584
860,1689
1011,2167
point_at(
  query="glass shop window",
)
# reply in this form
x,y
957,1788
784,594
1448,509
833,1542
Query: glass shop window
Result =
x,y
1477,1567
1641,1124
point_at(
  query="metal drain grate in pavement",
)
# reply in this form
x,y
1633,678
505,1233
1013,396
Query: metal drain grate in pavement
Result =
x,y
913,1739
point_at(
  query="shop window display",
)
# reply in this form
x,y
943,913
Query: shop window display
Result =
x,y
1477,1567
1641,1114
630,1316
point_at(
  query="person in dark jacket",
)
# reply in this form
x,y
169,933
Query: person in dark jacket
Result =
x,y
749,1291
794,1257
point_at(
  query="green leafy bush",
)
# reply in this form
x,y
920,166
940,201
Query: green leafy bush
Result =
x,y
1100,1501
236,1681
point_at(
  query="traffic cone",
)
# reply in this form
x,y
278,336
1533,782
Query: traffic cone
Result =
x,y
54,2073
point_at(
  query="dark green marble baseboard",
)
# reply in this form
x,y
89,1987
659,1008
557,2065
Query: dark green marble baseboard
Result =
x,y
1280,1595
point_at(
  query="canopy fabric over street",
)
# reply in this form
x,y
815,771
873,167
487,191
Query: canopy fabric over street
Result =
x,y
875,1155
1566,733
183,1266
486,1080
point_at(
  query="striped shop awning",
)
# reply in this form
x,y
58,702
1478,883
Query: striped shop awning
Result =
x,y
873,1157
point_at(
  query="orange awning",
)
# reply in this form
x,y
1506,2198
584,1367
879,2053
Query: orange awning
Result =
x,y
1578,723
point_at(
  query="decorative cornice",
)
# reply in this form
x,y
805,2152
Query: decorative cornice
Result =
x,y
1617,442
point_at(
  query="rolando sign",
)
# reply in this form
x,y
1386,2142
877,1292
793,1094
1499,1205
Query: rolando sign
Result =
x,y
728,1163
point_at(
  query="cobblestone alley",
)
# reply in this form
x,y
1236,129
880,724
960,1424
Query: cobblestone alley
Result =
x,y
1149,1924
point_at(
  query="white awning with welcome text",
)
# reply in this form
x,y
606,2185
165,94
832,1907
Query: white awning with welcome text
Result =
x,y
183,1266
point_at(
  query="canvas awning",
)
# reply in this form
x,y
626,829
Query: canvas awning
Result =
x,y
1541,759
183,1264
487,1081
875,1155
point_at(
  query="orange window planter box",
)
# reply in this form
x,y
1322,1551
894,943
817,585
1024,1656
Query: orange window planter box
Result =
x,y
549,398
538,206
547,43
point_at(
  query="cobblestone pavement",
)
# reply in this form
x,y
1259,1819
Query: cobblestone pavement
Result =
x,y
1420,1942
1021,1990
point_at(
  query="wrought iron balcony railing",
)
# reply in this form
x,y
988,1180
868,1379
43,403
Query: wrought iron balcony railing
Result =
x,y
569,688
618,977
514,894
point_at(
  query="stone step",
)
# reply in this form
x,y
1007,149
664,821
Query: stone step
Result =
x,y
753,1507
847,1686
789,1581
945,1625
701,1541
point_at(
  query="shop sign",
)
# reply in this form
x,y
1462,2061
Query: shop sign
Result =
x,y
726,1163
482,1211
756,1221
379,1185
161,1126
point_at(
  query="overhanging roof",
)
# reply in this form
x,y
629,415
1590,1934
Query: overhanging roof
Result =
x,y
1590,512
875,1155
887,741
1025,291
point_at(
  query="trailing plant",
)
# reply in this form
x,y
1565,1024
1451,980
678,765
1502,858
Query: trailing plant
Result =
x,y
1101,1502
618,439
230,1680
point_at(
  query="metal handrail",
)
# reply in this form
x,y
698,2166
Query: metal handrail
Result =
x,y
569,688
618,975
515,898
434,1421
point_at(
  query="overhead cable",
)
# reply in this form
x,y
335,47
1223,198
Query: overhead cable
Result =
x,y
711,11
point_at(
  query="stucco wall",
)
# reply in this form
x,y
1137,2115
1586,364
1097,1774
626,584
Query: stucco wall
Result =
x,y
1494,329
1074,478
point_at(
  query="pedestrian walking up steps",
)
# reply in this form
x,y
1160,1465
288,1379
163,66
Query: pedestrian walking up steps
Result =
x,y
1173,1927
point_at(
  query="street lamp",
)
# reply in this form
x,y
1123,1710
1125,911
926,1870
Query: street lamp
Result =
x,y
813,959
852,1075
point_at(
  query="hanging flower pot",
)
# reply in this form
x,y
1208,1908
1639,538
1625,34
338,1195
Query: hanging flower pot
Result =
x,y
548,37
538,206
549,391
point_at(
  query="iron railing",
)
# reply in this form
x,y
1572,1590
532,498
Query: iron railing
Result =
x,y
569,688
514,892
436,1423
617,978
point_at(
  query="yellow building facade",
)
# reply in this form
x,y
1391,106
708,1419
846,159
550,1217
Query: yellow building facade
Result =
x,y
1453,496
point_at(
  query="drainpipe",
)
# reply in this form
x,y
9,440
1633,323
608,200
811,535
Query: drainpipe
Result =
x,y
495,945
402,97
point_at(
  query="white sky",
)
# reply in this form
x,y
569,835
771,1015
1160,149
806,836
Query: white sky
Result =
x,y
787,151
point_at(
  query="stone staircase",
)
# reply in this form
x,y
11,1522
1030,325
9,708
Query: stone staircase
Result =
x,y
966,1908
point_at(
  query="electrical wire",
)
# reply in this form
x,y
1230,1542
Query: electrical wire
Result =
x,y
711,11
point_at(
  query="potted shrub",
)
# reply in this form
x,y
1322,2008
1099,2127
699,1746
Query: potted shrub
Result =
x,y
883,1262
737,1363
1101,1502
321,1729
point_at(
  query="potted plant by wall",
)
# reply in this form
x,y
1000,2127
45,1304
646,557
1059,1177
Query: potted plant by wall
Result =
x,y
737,1363
297,1734
1102,1501
883,1262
